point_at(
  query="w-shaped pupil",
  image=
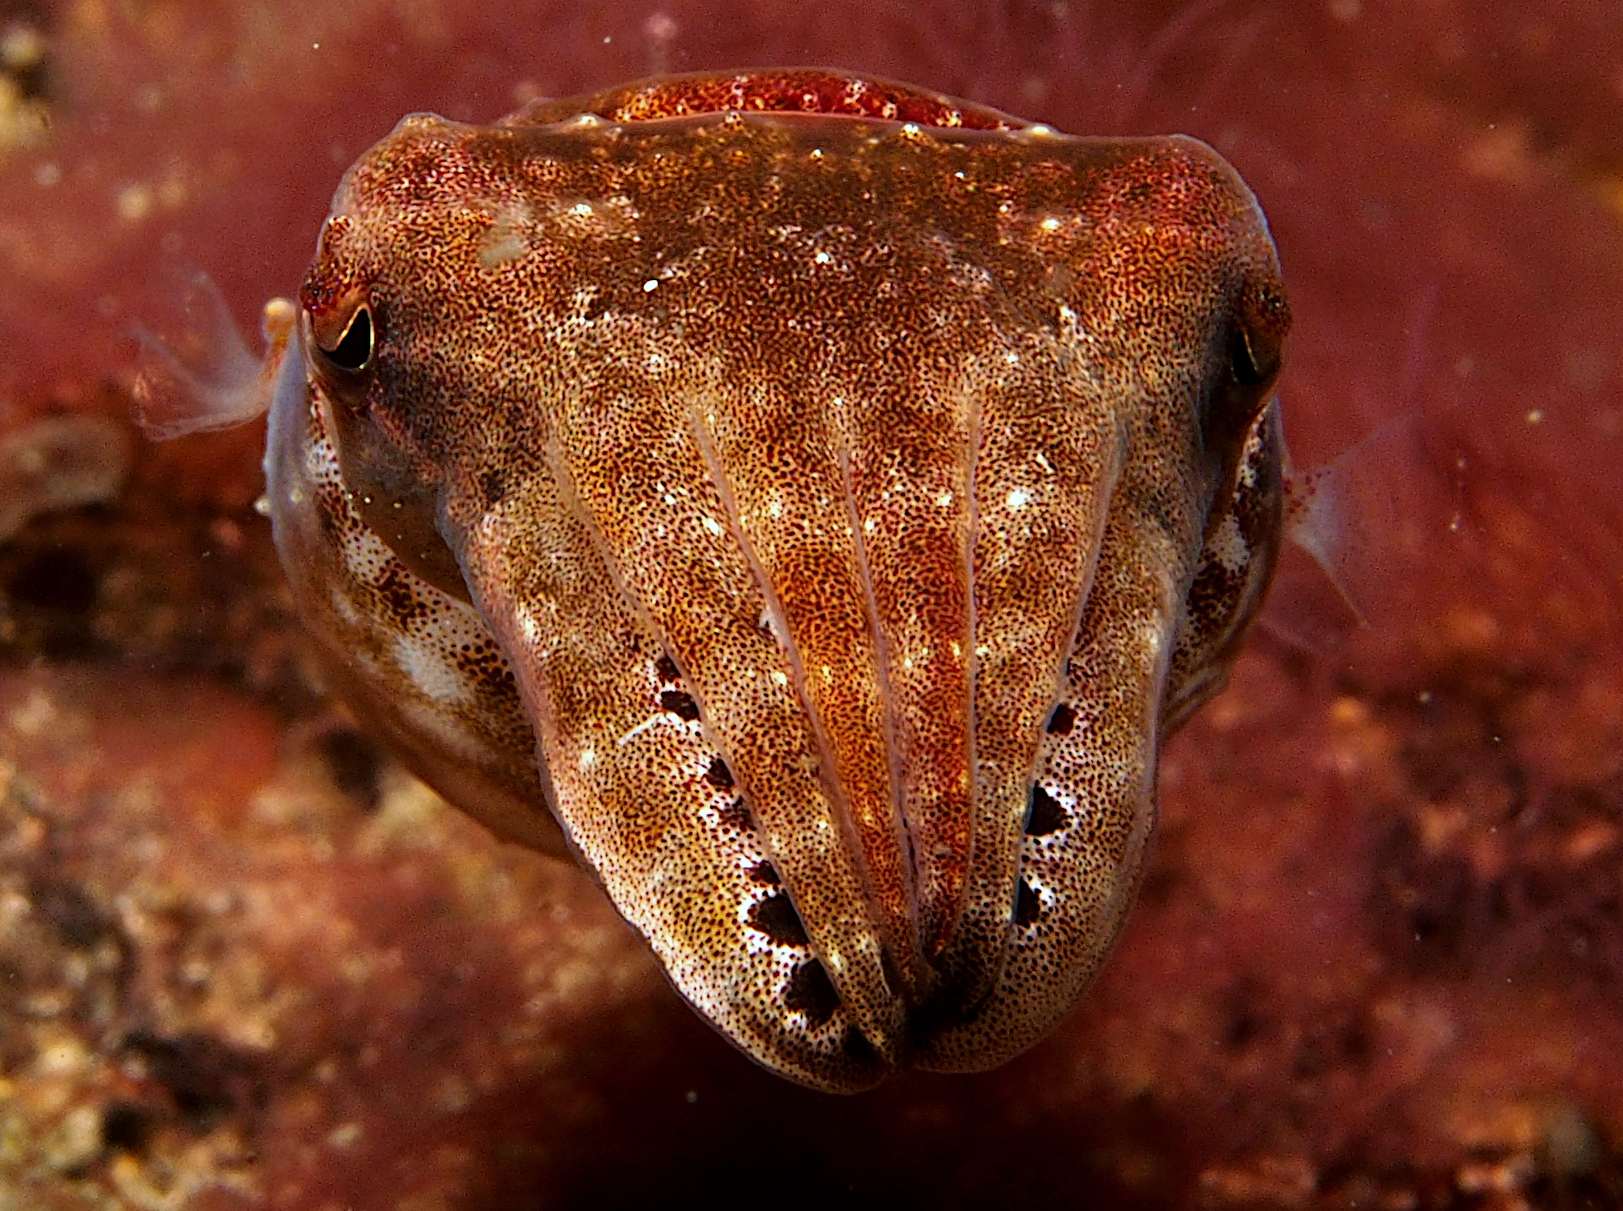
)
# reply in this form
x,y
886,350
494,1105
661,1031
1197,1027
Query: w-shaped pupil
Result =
x,y
354,348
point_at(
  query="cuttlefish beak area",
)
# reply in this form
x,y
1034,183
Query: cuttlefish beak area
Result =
x,y
834,490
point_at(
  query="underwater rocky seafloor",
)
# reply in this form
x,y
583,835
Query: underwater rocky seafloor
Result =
x,y
1378,962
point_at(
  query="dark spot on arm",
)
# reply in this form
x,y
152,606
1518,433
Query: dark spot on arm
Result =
x,y
776,917
77,918
1027,907
667,670
327,505
812,993
857,1048
679,704
206,1079
718,775
1061,721
1046,815
397,591
765,872
57,579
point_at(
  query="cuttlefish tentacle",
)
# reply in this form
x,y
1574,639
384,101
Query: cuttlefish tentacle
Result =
x,y
1095,784
909,495
642,477
649,799
417,664
1043,472
1237,558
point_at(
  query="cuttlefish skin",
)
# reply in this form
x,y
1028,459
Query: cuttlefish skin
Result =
x,y
809,500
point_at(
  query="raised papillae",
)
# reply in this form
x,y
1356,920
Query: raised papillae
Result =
x,y
808,500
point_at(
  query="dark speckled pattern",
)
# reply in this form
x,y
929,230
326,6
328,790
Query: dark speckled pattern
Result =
x,y
836,449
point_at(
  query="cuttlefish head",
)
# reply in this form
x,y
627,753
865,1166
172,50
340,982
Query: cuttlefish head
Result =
x,y
818,497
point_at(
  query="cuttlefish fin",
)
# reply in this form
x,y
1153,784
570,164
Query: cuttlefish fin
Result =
x,y
199,374
1359,515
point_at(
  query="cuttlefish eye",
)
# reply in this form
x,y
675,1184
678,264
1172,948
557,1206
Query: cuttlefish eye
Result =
x,y
1240,387
343,346
1256,338
352,350
1249,363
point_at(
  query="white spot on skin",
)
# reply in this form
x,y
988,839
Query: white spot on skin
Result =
x,y
499,250
651,285
1228,545
1019,498
528,627
505,241
714,526
1151,637
642,727
429,671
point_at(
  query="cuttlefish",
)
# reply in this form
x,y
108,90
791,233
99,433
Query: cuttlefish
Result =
x,y
807,500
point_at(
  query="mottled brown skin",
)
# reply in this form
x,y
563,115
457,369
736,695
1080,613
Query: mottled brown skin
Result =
x,y
822,497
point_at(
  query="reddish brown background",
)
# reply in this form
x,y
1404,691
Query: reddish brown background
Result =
x,y
1378,961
